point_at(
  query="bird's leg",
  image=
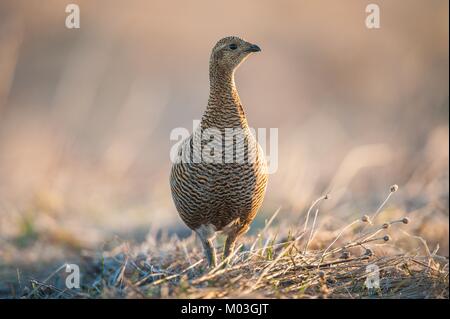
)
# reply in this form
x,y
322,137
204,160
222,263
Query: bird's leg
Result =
x,y
210,251
229,246
231,240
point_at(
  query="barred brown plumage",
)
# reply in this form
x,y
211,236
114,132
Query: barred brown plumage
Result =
x,y
222,195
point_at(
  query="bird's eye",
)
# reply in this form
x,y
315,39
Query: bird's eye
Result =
x,y
233,46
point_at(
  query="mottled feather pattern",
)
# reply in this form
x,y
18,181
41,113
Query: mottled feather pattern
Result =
x,y
224,195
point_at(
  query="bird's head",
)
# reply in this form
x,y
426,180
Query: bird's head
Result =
x,y
230,52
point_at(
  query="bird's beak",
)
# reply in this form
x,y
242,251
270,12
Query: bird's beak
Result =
x,y
253,48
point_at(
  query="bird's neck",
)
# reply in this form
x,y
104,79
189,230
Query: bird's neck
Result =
x,y
224,108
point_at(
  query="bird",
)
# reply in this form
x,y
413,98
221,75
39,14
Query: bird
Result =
x,y
221,195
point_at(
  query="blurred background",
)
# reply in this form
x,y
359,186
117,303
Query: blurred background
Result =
x,y
85,114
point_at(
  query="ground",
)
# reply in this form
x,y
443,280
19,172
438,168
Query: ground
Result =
x,y
276,261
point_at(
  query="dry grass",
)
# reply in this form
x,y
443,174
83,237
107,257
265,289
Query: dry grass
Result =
x,y
271,264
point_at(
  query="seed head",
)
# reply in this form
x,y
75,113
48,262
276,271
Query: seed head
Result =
x,y
369,252
386,238
394,188
365,219
405,220
386,225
